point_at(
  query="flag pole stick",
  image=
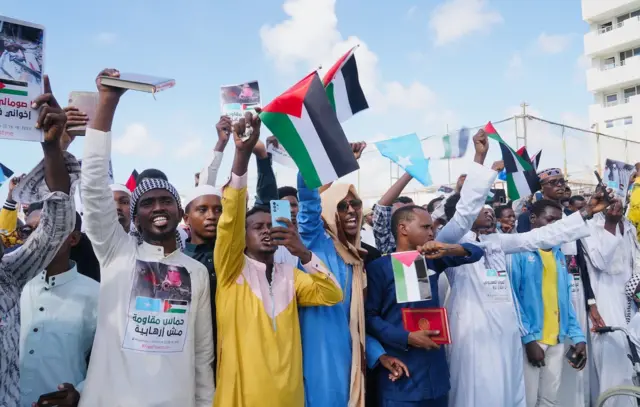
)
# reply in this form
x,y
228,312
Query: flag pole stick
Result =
x,y
448,163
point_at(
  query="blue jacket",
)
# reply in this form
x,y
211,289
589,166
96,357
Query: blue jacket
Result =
x,y
526,280
428,369
326,339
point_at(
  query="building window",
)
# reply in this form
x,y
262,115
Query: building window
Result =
x,y
606,27
611,100
609,123
629,92
609,63
628,120
628,54
627,16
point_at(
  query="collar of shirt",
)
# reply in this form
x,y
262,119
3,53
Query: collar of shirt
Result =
x,y
198,248
58,279
154,252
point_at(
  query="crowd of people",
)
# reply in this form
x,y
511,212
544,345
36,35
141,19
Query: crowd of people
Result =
x,y
146,300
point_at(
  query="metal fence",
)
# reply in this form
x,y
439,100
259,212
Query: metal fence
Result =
x,y
577,151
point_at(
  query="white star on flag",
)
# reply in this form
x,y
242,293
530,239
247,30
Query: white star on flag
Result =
x,y
404,162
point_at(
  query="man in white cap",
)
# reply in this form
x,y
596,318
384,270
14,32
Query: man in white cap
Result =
x,y
203,208
122,198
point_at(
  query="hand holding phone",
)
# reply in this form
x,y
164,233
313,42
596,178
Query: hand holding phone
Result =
x,y
602,187
280,209
577,356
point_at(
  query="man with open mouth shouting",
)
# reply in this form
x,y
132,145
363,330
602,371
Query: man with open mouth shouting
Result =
x,y
154,342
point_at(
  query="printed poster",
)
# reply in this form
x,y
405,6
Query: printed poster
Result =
x,y
159,306
280,156
617,175
236,100
21,67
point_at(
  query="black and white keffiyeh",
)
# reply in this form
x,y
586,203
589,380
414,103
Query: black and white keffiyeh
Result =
x,y
143,187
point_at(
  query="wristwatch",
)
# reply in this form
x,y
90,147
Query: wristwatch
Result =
x,y
591,301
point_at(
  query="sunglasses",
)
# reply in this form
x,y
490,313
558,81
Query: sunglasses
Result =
x,y
343,206
556,182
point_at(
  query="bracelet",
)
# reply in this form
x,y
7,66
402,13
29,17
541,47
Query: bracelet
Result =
x,y
591,301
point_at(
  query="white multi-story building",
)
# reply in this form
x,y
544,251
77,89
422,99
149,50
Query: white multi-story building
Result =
x,y
613,47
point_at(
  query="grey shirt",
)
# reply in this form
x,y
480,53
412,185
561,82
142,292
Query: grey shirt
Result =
x,y
17,268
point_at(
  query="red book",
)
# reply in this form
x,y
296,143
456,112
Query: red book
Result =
x,y
425,319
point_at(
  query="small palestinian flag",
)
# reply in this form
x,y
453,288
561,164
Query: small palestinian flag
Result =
x,y
5,174
307,127
176,306
411,277
10,87
132,182
518,170
343,87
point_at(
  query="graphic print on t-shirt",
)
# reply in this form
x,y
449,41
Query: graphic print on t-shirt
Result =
x,y
158,314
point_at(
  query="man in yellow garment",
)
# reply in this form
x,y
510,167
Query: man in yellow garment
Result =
x,y
542,285
259,348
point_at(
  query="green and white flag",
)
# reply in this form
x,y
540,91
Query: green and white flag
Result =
x,y
411,277
305,124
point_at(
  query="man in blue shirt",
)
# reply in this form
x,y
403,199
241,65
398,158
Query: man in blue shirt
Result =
x,y
427,382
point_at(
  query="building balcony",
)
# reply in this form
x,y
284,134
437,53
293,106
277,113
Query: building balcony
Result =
x,y
614,76
611,40
596,10
628,107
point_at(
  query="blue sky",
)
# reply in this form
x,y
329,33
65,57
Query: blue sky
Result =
x,y
425,65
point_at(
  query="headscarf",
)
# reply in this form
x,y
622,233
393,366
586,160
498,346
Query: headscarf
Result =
x,y
144,186
351,254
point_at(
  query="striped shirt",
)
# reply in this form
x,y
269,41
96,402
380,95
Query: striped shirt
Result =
x,y
17,268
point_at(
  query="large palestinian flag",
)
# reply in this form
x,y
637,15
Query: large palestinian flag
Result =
x,y
343,87
306,125
519,170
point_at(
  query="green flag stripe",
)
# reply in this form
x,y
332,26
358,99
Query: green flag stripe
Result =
x,y
331,95
447,146
401,284
521,161
512,190
281,126
14,92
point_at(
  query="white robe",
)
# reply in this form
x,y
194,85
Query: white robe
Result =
x,y
574,384
485,355
611,261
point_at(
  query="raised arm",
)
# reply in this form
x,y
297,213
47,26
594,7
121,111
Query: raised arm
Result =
x,y
457,255
228,254
9,212
209,174
100,218
568,229
382,215
50,181
267,188
473,193
310,224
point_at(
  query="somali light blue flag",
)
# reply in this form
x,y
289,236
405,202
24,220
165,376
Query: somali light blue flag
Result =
x,y
406,151
502,175
5,174
148,304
